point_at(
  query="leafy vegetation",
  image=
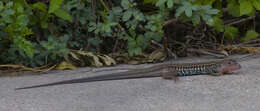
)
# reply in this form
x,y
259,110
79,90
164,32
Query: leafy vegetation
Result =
x,y
39,32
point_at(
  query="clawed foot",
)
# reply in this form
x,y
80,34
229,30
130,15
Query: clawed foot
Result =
x,y
170,76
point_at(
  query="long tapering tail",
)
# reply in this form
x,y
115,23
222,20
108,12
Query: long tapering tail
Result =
x,y
115,76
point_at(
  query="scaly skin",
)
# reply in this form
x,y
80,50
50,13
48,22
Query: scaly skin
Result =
x,y
166,71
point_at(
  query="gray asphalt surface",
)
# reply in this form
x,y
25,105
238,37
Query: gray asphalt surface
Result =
x,y
238,92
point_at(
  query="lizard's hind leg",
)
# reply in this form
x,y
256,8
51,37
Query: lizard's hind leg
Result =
x,y
170,75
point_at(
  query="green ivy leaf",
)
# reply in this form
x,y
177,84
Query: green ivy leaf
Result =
x,y
231,32
208,19
41,6
63,14
231,11
195,7
206,7
159,3
1,6
138,16
256,4
9,4
212,11
188,8
19,8
7,12
44,24
218,24
24,45
132,32
204,2
22,20
92,26
54,5
170,3
246,8
127,15
94,41
179,11
22,2
108,27
125,4
139,39
195,19
149,1
250,35
154,36
188,12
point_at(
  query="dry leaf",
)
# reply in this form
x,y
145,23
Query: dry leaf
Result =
x,y
65,65
157,55
74,55
107,60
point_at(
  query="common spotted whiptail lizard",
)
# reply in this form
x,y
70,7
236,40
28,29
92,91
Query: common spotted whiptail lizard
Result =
x,y
166,71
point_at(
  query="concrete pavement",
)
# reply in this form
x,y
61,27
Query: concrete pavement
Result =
x,y
238,92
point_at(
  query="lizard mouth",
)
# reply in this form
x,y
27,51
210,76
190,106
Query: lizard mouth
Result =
x,y
230,69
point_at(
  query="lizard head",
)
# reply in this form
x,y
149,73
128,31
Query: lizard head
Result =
x,y
229,65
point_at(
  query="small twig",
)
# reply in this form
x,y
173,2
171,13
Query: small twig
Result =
x,y
251,41
161,46
22,67
94,11
241,20
115,46
52,67
207,52
248,57
112,69
256,45
171,21
222,39
254,23
104,5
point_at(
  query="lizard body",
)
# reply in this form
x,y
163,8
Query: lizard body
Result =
x,y
166,71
